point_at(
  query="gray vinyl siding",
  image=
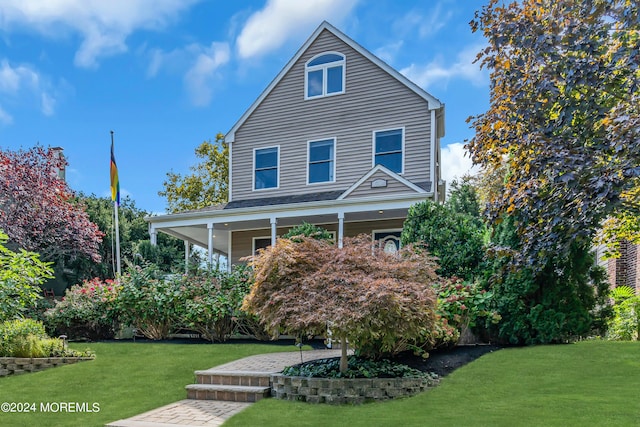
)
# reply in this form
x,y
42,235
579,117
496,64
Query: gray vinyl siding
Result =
x,y
393,187
242,241
374,100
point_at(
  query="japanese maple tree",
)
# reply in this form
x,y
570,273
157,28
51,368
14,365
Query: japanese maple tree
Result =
x,y
376,300
38,210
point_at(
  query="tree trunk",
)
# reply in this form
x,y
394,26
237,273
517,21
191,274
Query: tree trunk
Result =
x,y
344,363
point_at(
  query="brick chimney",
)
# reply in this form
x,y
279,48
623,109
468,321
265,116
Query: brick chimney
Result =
x,y
57,152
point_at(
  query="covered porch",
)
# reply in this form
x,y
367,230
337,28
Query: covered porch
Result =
x,y
235,232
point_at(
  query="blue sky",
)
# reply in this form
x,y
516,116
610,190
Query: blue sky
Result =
x,y
165,75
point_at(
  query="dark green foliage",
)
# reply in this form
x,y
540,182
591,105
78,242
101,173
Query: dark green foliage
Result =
x,y
463,198
134,241
554,303
212,302
358,368
158,304
308,230
456,239
150,302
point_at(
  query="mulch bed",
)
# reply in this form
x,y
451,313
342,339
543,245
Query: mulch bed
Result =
x,y
446,360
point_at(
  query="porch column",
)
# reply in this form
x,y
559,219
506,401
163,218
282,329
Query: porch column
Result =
x,y
186,257
340,228
229,252
274,222
210,244
153,236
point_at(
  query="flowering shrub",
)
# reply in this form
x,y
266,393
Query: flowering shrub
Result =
x,y
86,311
460,305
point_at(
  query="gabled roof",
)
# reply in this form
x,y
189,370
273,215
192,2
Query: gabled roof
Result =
x,y
432,101
391,174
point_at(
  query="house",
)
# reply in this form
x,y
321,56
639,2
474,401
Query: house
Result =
x,y
338,139
624,270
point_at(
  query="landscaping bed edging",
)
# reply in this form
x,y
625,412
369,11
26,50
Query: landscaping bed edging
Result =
x,y
21,365
346,390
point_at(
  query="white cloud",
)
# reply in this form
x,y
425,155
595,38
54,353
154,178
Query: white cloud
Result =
x,y
5,117
103,25
198,64
270,27
438,72
456,162
48,104
20,83
13,79
425,24
200,76
389,51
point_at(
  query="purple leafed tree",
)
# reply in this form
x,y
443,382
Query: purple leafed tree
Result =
x,y
38,210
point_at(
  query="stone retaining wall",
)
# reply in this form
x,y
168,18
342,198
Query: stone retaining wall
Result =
x,y
345,390
20,365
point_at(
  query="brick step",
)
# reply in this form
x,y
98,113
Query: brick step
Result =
x,y
240,378
230,393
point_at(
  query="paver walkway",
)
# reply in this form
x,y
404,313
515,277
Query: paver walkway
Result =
x,y
211,413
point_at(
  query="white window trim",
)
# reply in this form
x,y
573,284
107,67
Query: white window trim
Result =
x,y
253,170
324,67
335,150
253,243
373,147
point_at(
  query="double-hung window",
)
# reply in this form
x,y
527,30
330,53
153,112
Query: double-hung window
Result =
x,y
324,75
322,161
266,162
388,147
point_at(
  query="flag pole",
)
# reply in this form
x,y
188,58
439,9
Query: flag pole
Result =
x,y
115,212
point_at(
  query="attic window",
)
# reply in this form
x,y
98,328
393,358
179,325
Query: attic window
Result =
x,y
324,75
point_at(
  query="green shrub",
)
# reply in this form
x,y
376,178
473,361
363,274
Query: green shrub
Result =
x,y
18,335
455,238
21,273
86,311
29,346
560,301
27,338
213,300
358,368
625,324
151,301
307,230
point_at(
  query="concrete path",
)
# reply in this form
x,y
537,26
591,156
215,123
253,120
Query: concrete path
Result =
x,y
211,413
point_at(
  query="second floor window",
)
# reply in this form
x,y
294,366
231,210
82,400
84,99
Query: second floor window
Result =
x,y
265,168
322,156
387,149
324,75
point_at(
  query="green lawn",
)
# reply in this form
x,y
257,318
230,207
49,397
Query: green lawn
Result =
x,y
593,383
125,379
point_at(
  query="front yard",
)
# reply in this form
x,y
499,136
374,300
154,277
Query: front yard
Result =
x,y
590,383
